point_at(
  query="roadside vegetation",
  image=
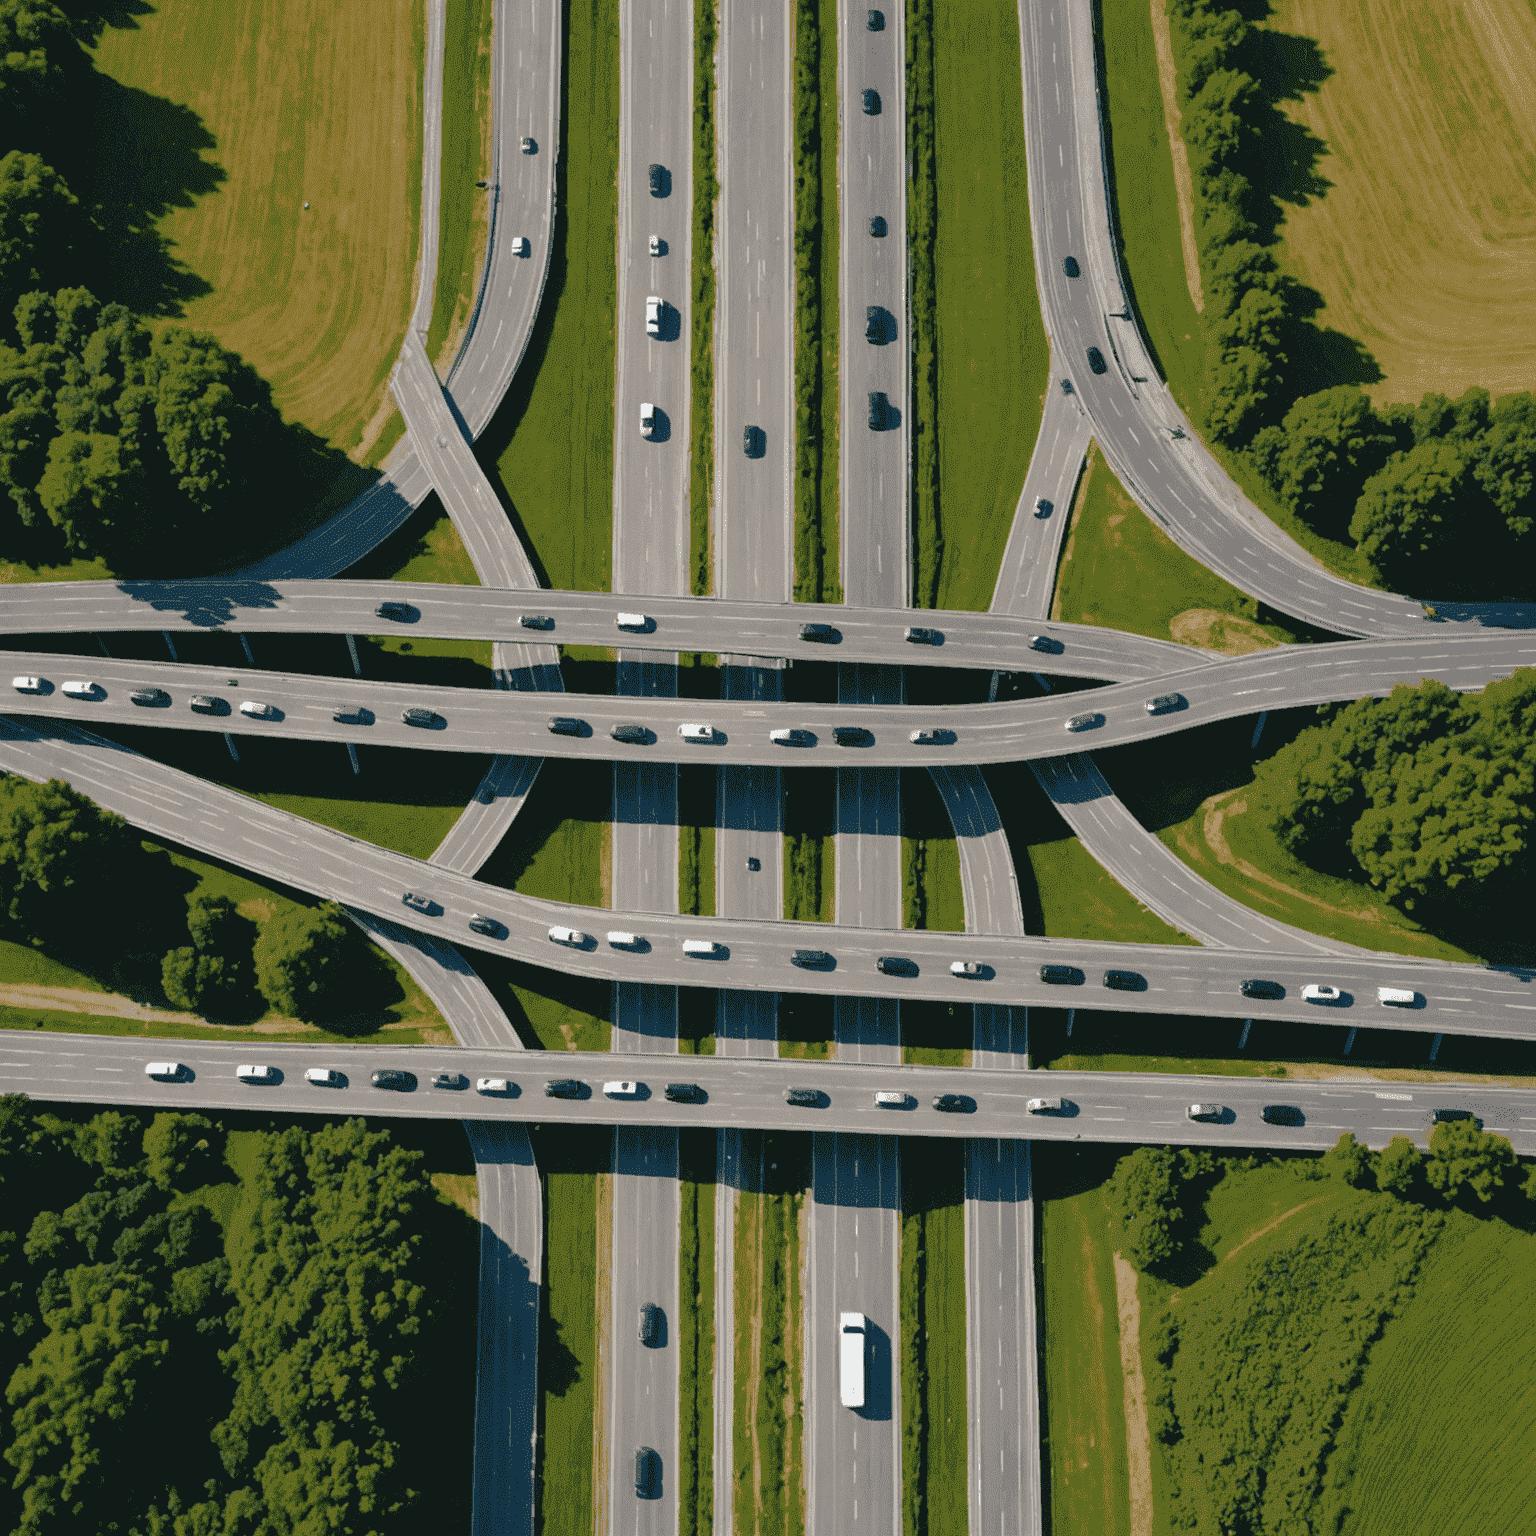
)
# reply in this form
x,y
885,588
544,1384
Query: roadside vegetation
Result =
x,y
810,820
696,1333
931,893
696,839
933,1341
551,442
706,193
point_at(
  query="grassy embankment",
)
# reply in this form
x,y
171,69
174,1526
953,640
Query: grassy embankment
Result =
x,y
767,1430
696,839
980,355
463,208
932,1343
817,569
706,192
696,1334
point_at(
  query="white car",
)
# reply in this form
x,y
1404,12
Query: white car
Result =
x,y
621,1088
966,968
528,145
250,1074
572,938
639,622
257,710
520,245
1042,507
1316,994
647,418
1204,1112
891,1100
170,1069
490,1085
619,939
27,684
696,732
655,245
322,1077
79,688
652,316
1044,1106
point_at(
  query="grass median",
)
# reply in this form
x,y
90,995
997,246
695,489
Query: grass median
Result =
x,y
696,1334
706,193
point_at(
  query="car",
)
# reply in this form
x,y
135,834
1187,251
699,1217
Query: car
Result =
x,y
622,938
478,923
647,419
564,1088
917,634
1061,975
1125,981
520,246
803,1098
572,938
1045,1106
152,698
652,316
875,21
394,1079
685,1093
812,959
874,322
207,704
248,1073
1166,703
690,731
1314,993
423,719
1256,987
1046,644
83,688
255,709
637,623
491,1085
1069,266
1397,997
938,736
528,146
896,965
621,1088
851,736
820,634
352,714
29,685
754,863
1096,360
447,1080
324,1077
655,178
1204,1112
879,408
399,612
170,1070
536,621
753,441
953,1103
871,102
791,737
650,1324
565,725
1066,386
645,1464
972,968
419,903
1043,508
877,226
703,949
1445,1116
655,245
1086,721
631,732
892,1100
1282,1114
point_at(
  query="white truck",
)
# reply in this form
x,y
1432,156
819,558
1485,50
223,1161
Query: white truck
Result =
x,y
851,1328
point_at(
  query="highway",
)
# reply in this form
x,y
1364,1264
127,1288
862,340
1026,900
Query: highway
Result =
x,y
1007,731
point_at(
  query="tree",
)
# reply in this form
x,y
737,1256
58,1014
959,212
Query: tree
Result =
x,y
317,965
1465,1160
212,975
1349,1161
1397,1167
1144,1193
181,1151
41,70
40,228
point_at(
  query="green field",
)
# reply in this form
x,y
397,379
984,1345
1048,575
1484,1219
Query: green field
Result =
x,y
701,413
551,443
696,1333
426,548
993,358
463,214
226,118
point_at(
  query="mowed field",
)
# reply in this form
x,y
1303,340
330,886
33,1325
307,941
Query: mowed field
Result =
x,y
1424,247
282,101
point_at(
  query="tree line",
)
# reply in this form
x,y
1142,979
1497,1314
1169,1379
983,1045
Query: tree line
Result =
x,y
1440,497
166,1378
150,448
79,884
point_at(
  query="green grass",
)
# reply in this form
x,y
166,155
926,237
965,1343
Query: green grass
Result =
x,y
427,548
696,839
551,444
932,1342
466,159
706,190
54,1021
569,1161
931,893
74,570
810,810
993,356
23,966
696,1333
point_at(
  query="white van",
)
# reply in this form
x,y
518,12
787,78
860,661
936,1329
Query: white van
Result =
x,y
27,684
637,621
696,732
619,939
851,1331
257,710
170,1069
249,1074
621,1088
574,938
76,688
324,1077
700,947
1396,997
1044,1106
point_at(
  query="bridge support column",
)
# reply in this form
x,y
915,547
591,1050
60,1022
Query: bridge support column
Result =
x,y
1349,1039
229,741
1434,1049
245,645
1071,1020
352,753
170,644
357,666
1242,1039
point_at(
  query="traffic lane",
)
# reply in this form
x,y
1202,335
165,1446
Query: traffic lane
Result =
x,y
747,1093
756,956
516,723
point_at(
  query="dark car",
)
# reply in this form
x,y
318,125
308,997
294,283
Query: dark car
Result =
x,y
824,633
1257,988
1046,643
486,925
953,1103
646,1463
419,903
207,704
916,634
535,621
448,1080
1096,360
896,965
1125,981
352,714
399,612
650,1324
1069,265
394,1079
877,226
565,725
630,732
685,1093
1066,386
1089,720
1166,703
752,442
851,736
150,696
655,175
564,1088
871,102
1062,975
754,863
803,1098
423,719
875,22
812,959
879,408
1445,1116
878,325
1282,1114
